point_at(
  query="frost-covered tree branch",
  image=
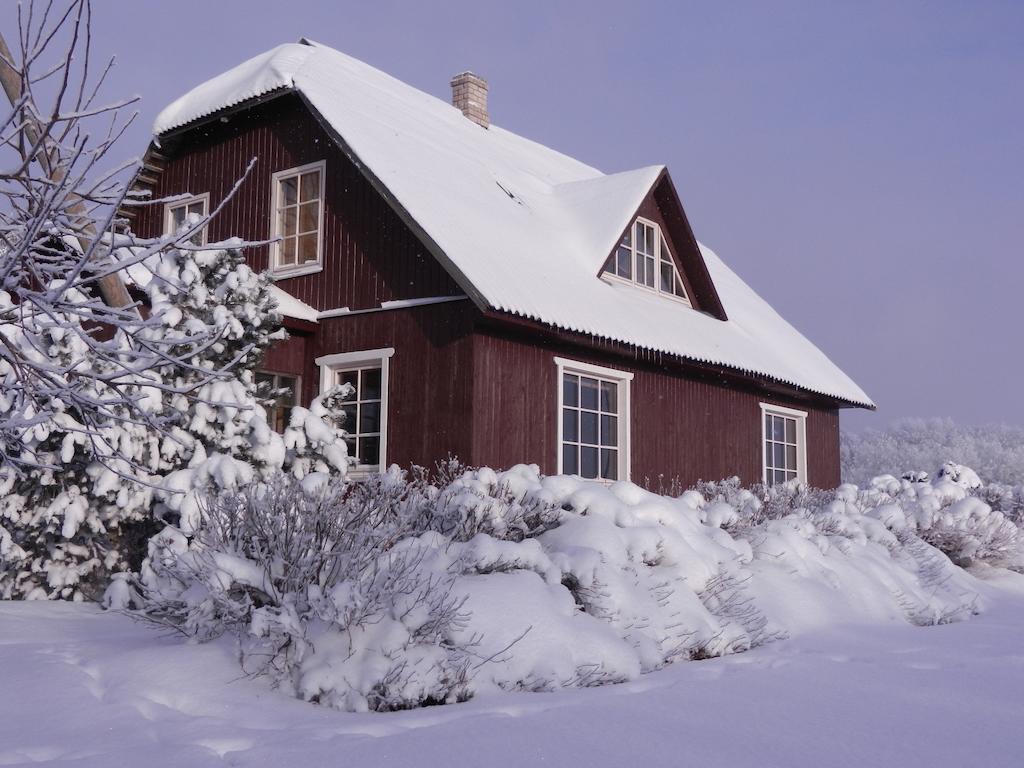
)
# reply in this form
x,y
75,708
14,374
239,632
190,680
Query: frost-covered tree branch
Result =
x,y
74,343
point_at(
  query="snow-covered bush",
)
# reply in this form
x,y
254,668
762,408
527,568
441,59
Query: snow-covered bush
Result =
x,y
74,507
995,452
327,588
950,514
403,591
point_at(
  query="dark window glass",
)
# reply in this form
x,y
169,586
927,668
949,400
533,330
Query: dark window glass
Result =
x,y
570,425
570,465
571,390
588,393
609,464
588,462
609,397
609,430
588,427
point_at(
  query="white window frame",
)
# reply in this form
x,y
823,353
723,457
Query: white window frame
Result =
x,y
659,240
170,207
623,380
294,270
331,365
801,439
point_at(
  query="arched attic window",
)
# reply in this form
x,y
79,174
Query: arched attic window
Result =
x,y
644,259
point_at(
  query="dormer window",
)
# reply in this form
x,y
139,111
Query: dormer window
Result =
x,y
644,259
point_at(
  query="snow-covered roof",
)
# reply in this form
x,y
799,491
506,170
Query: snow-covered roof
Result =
x,y
289,306
524,229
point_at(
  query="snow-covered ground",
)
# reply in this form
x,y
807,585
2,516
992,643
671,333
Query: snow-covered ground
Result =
x,y
86,688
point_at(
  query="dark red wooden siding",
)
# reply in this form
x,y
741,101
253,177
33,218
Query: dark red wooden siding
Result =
x,y
430,412
370,255
681,427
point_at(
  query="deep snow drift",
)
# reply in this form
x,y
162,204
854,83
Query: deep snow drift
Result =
x,y
397,593
87,688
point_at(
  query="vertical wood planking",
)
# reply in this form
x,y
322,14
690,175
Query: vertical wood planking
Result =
x,y
370,255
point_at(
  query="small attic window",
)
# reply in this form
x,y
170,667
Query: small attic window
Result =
x,y
643,258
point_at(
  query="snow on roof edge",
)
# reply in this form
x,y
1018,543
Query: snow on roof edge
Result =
x,y
869,404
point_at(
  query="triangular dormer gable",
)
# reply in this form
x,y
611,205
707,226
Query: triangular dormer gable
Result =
x,y
658,252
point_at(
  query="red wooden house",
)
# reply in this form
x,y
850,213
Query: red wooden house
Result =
x,y
489,297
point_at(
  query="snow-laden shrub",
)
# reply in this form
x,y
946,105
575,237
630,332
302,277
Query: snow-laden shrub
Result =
x,y
949,513
759,503
84,491
328,590
402,591
995,452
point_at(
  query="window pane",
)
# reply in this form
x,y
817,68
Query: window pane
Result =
x,y
609,397
310,186
307,248
609,266
649,273
371,384
570,463
571,390
609,464
588,427
349,422
309,217
625,257
350,377
570,424
791,476
588,462
265,380
627,239
288,222
790,457
288,191
350,443
780,476
287,251
588,393
197,208
778,429
780,455
369,450
790,430
178,217
768,426
609,430
369,417
667,275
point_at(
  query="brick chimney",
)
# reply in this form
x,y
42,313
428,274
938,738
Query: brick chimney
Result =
x,y
469,93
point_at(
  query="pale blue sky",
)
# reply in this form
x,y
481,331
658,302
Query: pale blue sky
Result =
x,y
860,164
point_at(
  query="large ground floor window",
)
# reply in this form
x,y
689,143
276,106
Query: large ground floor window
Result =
x,y
593,421
784,433
366,409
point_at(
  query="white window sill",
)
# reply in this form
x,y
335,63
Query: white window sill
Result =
x,y
305,269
